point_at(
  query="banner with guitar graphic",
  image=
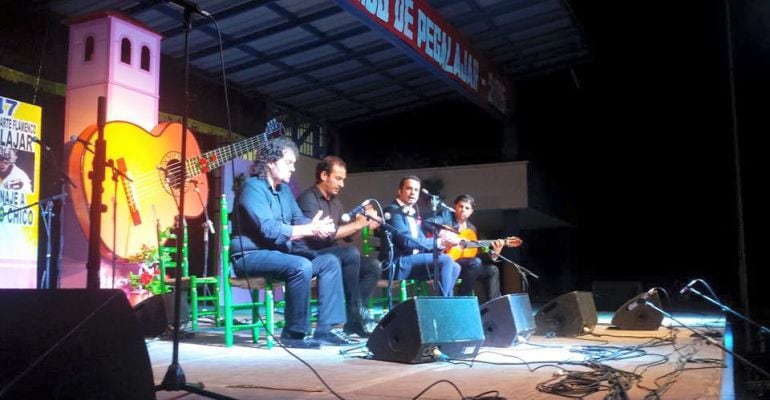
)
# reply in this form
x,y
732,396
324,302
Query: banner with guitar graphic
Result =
x,y
146,193
19,192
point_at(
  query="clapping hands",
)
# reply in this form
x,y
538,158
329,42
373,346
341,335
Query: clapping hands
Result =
x,y
322,227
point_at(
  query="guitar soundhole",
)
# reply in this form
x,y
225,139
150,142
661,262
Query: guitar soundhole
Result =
x,y
170,173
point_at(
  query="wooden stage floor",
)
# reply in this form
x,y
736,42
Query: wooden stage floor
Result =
x,y
668,360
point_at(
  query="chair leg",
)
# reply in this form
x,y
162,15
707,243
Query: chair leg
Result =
x,y
194,302
228,317
269,317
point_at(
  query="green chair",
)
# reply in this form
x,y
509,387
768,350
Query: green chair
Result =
x,y
205,304
254,284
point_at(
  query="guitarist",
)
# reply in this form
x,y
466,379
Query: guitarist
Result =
x,y
482,266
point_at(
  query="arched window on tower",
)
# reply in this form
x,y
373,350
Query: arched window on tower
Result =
x,y
125,51
89,54
145,61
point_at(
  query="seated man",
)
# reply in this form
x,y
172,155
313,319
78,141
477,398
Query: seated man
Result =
x,y
358,278
268,222
480,267
412,250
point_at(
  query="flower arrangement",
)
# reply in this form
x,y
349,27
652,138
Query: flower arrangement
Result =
x,y
148,276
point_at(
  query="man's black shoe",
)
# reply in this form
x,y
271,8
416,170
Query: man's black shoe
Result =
x,y
334,337
356,329
300,343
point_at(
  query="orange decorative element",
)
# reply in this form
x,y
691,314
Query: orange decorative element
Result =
x,y
469,246
128,188
204,164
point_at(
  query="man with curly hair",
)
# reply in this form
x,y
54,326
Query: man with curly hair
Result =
x,y
265,230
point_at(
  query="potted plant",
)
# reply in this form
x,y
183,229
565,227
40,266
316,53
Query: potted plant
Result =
x,y
147,280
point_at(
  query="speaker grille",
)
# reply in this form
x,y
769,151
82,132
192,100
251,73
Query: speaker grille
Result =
x,y
414,330
571,314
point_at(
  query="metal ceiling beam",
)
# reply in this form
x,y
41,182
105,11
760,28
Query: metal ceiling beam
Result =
x,y
241,40
328,63
351,118
343,49
220,15
298,49
344,76
529,23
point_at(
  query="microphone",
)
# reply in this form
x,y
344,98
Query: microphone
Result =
x,y
387,216
641,299
76,139
38,141
359,209
437,200
687,288
189,5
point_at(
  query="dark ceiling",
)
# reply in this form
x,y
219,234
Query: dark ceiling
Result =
x,y
317,59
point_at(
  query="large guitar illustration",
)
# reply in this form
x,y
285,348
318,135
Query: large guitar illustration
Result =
x,y
151,161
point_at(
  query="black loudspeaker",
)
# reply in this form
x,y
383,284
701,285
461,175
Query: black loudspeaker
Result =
x,y
423,329
506,319
571,314
71,344
637,316
156,313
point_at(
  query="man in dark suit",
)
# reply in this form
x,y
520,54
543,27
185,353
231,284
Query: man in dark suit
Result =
x,y
413,251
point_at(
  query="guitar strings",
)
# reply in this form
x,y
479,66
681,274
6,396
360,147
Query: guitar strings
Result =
x,y
147,182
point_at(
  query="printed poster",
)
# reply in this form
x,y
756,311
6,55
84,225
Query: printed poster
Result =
x,y
19,192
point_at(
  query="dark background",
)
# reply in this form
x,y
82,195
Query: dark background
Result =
x,y
639,141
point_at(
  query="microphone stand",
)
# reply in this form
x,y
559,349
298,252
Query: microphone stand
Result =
x,y
97,188
762,329
389,231
705,337
208,228
523,271
175,380
434,202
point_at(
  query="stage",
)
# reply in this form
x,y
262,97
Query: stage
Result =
x,y
669,360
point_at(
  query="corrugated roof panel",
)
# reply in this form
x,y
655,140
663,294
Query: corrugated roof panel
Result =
x,y
311,56
304,7
347,66
251,21
534,11
365,39
310,96
538,30
389,54
261,70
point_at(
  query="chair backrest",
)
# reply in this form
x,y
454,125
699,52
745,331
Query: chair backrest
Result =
x,y
224,235
167,253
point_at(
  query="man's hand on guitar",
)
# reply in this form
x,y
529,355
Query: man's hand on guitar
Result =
x,y
449,239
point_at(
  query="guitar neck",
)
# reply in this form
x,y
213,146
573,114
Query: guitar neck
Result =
x,y
215,158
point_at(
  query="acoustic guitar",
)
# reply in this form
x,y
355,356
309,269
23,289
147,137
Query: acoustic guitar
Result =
x,y
151,161
469,244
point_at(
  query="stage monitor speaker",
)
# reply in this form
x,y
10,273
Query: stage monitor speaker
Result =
x,y
636,316
506,319
156,313
571,314
71,344
424,329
